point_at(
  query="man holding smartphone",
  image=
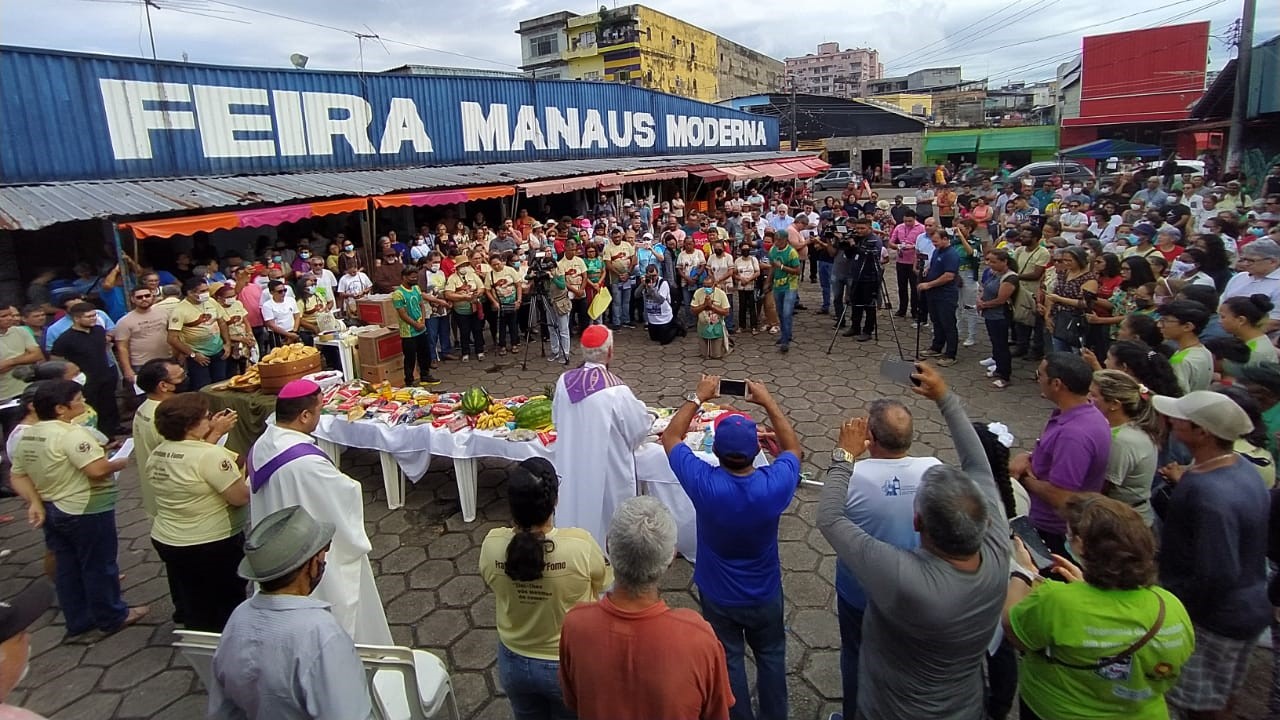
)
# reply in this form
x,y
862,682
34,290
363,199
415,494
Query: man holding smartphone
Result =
x,y
739,575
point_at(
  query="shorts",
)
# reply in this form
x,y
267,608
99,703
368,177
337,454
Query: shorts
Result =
x,y
1213,673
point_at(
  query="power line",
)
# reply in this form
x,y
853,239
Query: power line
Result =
x,y
927,50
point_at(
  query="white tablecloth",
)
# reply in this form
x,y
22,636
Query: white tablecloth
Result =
x,y
411,448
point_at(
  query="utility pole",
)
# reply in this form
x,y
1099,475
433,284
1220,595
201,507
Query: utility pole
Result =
x,y
795,132
1244,57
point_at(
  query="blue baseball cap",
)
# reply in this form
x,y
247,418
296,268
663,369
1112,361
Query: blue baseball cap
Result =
x,y
735,435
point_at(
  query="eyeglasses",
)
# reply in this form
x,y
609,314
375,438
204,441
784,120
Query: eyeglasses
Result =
x,y
142,296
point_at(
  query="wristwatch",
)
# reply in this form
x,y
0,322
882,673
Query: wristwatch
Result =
x,y
840,455
1023,575
692,396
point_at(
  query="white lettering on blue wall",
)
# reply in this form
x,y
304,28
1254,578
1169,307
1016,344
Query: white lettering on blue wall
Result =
x,y
236,122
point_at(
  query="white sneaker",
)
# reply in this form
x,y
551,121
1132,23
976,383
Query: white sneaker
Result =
x,y
991,371
466,358
989,362
970,342
479,356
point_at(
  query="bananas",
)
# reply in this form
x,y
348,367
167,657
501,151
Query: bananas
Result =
x,y
497,416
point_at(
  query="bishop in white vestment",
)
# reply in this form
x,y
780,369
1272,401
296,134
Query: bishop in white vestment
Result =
x,y
599,424
287,468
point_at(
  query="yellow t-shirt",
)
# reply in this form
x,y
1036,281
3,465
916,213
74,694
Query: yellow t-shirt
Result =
x,y
197,325
465,280
618,258
145,442
54,454
575,275
187,477
530,614
504,284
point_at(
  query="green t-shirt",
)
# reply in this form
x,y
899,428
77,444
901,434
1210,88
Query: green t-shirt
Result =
x,y
1271,419
409,300
787,257
1079,624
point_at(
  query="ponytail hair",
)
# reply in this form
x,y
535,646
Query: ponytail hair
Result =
x,y
1134,398
1147,366
532,493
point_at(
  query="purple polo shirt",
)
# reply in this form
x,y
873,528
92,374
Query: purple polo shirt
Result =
x,y
1072,454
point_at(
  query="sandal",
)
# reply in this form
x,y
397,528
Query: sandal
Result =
x,y
1000,383
773,330
135,614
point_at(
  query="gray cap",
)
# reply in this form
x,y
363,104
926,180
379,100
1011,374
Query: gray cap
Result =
x,y
282,543
1214,412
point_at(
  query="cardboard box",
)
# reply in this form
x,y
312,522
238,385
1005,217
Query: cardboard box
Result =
x,y
391,371
377,310
378,345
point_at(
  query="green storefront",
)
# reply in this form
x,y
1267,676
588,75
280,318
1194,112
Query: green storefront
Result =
x,y
991,147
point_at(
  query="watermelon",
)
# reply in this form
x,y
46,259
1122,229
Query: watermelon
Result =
x,y
534,415
475,401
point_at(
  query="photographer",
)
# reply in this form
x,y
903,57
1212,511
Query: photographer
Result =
x,y
857,269
656,293
548,280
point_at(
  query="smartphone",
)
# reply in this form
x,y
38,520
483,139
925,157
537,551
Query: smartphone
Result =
x,y
733,387
898,370
1040,553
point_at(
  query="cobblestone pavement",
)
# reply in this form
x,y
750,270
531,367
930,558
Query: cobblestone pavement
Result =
x,y
425,557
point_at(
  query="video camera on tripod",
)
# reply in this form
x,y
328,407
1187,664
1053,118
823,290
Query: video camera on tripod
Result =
x,y
541,267
855,249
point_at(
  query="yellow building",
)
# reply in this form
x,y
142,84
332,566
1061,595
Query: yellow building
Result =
x,y
640,46
920,104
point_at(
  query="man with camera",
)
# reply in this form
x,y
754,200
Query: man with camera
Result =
x,y
857,277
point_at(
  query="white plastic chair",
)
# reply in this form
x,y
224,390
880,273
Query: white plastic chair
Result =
x,y
198,648
407,684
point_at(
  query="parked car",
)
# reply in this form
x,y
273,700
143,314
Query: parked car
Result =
x,y
1038,172
1193,167
973,175
835,179
913,177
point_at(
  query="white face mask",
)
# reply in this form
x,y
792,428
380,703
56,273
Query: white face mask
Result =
x,y
202,298
228,300
81,379
1180,267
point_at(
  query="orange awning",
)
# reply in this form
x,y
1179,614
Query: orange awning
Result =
x,y
183,225
817,163
801,169
333,207
775,171
489,192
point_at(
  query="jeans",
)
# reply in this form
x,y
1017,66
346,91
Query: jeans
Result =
x,y
416,351
760,627
748,318
850,619
942,311
621,310
470,332
841,290
729,321
686,311
863,298
1002,681
998,330
438,337
532,686
559,333
579,313
87,577
824,279
199,376
203,581
1030,338
785,300
100,393
908,297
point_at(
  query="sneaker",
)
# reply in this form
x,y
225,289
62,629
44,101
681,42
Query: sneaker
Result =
x,y
991,371
862,338
849,333
824,311
930,353
480,356
429,381
970,342
466,358
783,348
1000,383
945,362
836,716
989,362
773,330
502,351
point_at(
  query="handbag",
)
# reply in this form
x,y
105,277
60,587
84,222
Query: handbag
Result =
x,y
1118,666
1068,326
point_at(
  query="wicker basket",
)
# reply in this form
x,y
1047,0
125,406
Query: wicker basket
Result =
x,y
277,375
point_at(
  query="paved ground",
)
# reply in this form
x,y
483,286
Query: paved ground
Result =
x,y
425,556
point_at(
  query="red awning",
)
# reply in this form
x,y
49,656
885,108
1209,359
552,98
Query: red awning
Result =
x,y
775,171
817,163
635,176
710,175
801,169
740,172
563,185
184,225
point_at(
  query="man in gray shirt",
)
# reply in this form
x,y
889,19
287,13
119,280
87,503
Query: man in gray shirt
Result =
x,y
1152,195
283,656
503,245
932,610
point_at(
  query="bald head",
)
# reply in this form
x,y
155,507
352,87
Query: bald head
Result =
x,y
891,427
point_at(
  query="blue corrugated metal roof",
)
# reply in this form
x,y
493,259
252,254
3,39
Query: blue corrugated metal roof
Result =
x,y
31,207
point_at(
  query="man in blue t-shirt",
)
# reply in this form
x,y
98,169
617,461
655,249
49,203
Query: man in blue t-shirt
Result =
x,y
738,573
941,290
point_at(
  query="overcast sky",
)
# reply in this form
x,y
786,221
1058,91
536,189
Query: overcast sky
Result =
x,y
969,33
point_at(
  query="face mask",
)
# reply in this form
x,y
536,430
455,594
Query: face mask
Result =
x,y
81,379
227,301
1256,231
422,241
1135,206
348,248
1141,303
1077,189
202,298
1180,267
435,267
304,255
719,251
1134,239
277,258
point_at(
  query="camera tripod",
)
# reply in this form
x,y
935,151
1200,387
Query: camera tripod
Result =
x,y
872,307
540,313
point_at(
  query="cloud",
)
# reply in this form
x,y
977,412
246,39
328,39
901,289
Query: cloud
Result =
x,y
909,34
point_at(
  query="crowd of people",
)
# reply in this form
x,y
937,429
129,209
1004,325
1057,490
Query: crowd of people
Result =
x,y
1135,583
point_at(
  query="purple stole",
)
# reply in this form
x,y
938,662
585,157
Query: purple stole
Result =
x,y
581,383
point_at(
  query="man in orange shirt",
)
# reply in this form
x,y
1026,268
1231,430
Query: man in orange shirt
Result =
x,y
601,644
945,201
